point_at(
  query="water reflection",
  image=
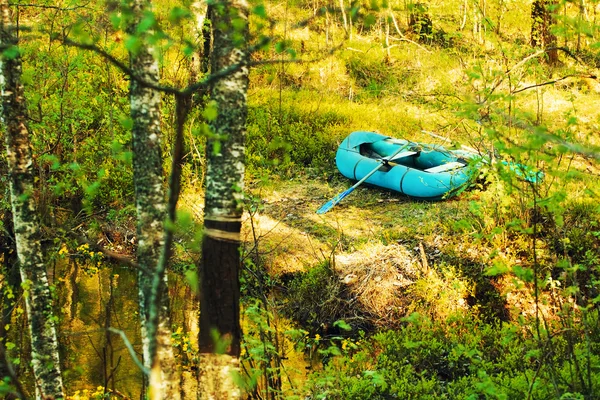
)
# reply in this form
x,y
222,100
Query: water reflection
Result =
x,y
91,299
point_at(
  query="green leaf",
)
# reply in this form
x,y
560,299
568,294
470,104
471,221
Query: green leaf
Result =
x,y
178,14
147,22
210,111
92,190
221,343
10,345
126,157
238,24
525,274
127,123
342,325
499,268
377,379
189,48
473,75
280,47
133,44
292,53
191,277
414,318
11,52
115,20
217,147
116,146
331,350
370,20
260,11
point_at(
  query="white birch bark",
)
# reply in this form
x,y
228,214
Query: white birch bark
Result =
x,y
38,300
151,214
199,9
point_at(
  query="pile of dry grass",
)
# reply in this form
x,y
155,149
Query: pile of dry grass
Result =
x,y
377,279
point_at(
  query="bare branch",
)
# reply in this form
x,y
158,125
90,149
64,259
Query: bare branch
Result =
x,y
552,82
181,111
47,6
584,150
127,343
205,83
117,63
523,62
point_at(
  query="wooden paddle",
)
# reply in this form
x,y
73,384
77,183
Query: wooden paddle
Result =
x,y
383,161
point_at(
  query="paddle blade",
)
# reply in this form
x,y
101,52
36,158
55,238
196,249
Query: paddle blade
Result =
x,y
525,172
331,203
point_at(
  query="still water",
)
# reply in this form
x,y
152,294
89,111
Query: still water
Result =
x,y
94,297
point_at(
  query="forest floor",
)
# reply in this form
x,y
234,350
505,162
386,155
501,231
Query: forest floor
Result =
x,y
391,255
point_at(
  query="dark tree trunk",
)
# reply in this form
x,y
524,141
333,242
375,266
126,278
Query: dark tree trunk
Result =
x,y
542,20
42,328
224,190
220,289
419,22
220,263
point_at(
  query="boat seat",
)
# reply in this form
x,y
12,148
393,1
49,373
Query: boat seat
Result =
x,y
445,167
401,155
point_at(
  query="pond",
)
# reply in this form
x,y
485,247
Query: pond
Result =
x,y
94,297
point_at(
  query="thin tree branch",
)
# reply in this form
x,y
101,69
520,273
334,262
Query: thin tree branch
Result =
x,y
523,62
47,6
117,63
583,150
127,343
554,81
181,110
201,85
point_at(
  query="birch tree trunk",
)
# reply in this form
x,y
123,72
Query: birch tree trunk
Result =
x,y
220,263
151,213
38,300
199,9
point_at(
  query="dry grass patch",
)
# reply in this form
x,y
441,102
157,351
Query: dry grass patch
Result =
x,y
377,279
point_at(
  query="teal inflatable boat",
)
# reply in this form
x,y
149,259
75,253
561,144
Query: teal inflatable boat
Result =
x,y
421,171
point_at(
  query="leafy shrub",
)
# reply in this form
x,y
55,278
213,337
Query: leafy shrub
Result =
x,y
376,77
291,140
462,358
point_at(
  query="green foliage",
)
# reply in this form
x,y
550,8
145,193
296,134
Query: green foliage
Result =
x,y
291,140
74,125
540,243
458,358
314,298
375,78
263,350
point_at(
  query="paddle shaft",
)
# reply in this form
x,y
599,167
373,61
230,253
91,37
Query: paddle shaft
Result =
x,y
330,204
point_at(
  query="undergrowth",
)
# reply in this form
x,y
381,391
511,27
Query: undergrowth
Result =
x,y
462,357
